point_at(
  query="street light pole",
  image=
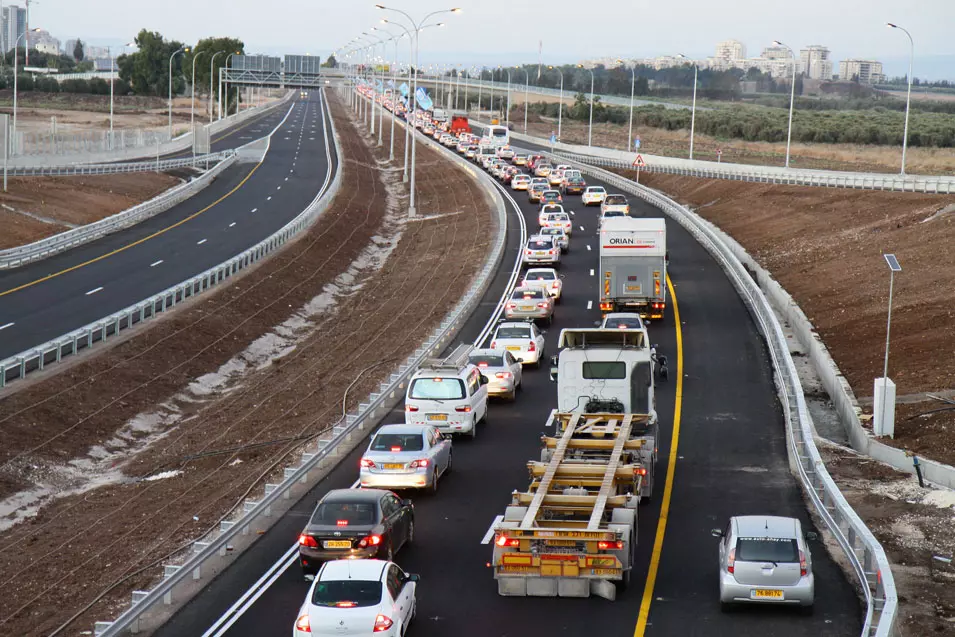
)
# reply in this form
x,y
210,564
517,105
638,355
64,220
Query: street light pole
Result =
x,y
792,100
560,104
394,90
908,95
177,52
590,129
633,82
192,102
696,69
894,267
16,44
507,113
527,81
211,76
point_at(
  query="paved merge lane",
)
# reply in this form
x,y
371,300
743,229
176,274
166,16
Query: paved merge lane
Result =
x,y
731,459
248,202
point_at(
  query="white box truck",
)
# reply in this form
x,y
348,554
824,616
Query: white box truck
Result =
x,y
633,266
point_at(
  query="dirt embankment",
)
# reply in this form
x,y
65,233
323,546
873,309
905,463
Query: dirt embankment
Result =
x,y
825,247
34,208
225,389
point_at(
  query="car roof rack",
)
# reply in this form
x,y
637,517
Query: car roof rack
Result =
x,y
456,360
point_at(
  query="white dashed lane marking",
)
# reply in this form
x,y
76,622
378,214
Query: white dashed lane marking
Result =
x,y
94,290
590,305
255,210
199,243
153,265
591,273
232,224
3,327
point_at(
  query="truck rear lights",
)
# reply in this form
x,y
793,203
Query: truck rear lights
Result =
x,y
503,541
307,541
606,307
642,471
606,546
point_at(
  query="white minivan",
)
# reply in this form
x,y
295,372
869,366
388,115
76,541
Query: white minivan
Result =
x,y
449,394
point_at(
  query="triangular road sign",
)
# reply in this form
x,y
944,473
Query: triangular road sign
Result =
x,y
638,162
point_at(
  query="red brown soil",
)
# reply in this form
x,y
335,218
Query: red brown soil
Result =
x,y
123,529
75,200
825,247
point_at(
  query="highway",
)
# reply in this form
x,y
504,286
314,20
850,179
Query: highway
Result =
x,y
245,204
729,458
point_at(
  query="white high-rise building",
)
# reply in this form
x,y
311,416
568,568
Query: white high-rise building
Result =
x,y
815,62
13,23
728,52
864,71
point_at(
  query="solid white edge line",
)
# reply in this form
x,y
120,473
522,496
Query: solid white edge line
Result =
x,y
153,265
3,327
94,291
490,530
591,274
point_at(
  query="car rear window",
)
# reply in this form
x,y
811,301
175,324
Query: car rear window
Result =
x,y
349,593
527,294
596,189
540,276
616,199
397,442
625,323
515,331
614,213
539,245
487,361
560,216
767,549
437,388
344,513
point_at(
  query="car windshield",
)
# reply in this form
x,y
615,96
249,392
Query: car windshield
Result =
x,y
615,200
515,331
767,549
398,442
539,245
349,593
527,294
540,276
614,213
499,132
487,361
344,514
624,323
437,388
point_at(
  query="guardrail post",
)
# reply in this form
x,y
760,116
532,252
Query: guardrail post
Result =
x,y
269,490
168,570
198,547
100,628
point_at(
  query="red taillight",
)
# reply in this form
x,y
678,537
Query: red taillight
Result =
x,y
606,307
371,540
302,624
411,408
642,471
503,374
503,540
419,464
382,623
493,344
531,347
307,541
528,253
803,565
551,252
366,463
482,364
731,561
511,306
345,605
604,546
341,522
395,449
464,409
542,304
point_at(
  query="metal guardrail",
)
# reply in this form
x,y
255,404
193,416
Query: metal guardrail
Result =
x,y
117,167
299,478
597,156
862,550
37,358
21,255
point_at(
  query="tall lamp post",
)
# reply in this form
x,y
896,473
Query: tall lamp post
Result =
x,y
381,107
417,26
908,95
192,101
696,70
527,81
226,65
112,81
633,83
590,128
394,88
212,74
560,104
792,99
182,49
16,43
883,423
507,107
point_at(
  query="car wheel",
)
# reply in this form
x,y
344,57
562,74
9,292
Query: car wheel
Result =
x,y
473,429
450,463
389,552
410,539
434,482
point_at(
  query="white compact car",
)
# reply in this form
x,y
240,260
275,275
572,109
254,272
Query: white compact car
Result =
x,y
541,249
520,182
593,195
505,152
405,457
546,279
523,340
548,209
615,202
358,597
502,369
558,220
450,394
559,235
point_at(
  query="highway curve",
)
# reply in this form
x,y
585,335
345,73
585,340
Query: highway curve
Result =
x,y
731,459
244,205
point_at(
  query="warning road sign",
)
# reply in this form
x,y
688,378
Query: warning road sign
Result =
x,y
638,162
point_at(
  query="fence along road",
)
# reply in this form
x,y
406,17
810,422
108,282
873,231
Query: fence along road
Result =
x,y
731,460
45,300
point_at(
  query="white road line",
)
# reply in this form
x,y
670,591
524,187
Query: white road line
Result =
x,y
278,188
286,179
591,272
3,327
490,531
269,198
581,228
255,210
590,305
94,291
232,224
153,265
588,247
199,243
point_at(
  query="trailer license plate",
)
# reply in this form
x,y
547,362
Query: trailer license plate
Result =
x,y
762,593
561,543
607,572
634,288
337,544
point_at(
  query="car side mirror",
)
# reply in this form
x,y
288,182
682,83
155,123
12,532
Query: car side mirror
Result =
x,y
414,577
812,536
484,380
716,532
407,503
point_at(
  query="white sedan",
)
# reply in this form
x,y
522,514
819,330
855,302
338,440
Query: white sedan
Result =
x,y
523,340
358,597
546,210
546,279
593,195
503,370
405,457
558,220
520,182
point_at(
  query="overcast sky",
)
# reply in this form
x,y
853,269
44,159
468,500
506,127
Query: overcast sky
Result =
x,y
508,32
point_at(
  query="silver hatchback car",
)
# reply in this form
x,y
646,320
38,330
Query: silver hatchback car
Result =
x,y
405,457
529,303
764,559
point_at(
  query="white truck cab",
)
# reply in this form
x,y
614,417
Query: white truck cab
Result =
x,y
449,394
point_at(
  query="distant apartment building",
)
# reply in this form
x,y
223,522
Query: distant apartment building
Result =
x,y
815,62
13,23
863,71
43,42
729,52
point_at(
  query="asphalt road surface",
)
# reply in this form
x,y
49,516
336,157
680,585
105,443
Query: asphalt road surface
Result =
x,y
244,205
730,459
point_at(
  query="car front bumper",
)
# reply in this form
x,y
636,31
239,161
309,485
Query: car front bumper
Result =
x,y
801,594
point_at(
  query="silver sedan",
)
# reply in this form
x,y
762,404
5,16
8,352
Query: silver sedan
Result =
x,y
503,371
405,457
529,303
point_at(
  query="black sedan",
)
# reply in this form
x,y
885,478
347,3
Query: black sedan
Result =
x,y
355,523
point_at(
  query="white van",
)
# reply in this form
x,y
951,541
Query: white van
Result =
x,y
496,135
449,394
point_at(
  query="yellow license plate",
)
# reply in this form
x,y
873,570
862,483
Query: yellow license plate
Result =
x,y
513,348
762,593
525,308
607,572
337,544
394,466
634,288
441,417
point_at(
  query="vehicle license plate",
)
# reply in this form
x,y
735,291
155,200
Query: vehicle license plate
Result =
x,y
763,593
337,544
394,466
634,288
441,417
526,308
513,348
607,572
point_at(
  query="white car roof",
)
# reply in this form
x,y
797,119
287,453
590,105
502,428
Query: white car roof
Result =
x,y
402,428
550,270
488,352
513,324
353,569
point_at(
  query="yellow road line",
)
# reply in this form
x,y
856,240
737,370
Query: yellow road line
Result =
x,y
134,243
644,614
